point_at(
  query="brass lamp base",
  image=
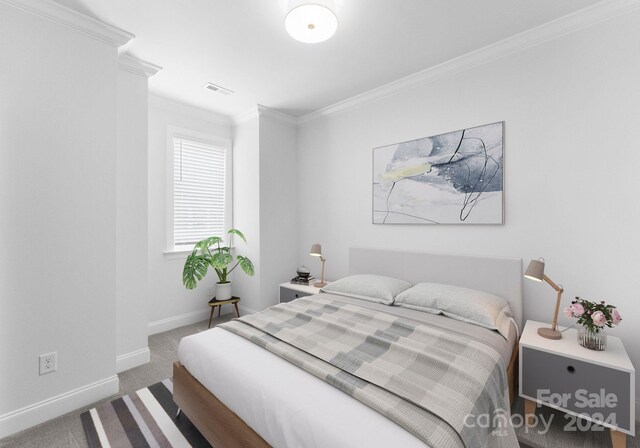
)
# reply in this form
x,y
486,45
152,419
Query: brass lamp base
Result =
x,y
320,284
549,333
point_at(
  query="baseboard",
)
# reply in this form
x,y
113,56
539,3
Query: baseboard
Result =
x,y
133,359
160,326
170,323
45,410
246,310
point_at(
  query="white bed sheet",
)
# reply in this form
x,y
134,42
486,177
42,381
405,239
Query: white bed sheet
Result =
x,y
285,405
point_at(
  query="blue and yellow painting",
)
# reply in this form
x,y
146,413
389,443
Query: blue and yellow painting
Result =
x,y
452,178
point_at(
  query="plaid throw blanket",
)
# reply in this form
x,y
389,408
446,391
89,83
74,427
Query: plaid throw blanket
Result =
x,y
431,382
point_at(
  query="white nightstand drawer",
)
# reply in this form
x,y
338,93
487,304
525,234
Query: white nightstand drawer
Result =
x,y
292,291
288,294
597,391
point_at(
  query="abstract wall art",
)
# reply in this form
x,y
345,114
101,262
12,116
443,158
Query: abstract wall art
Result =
x,y
452,178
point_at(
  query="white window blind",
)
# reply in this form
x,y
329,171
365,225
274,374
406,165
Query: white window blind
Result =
x,y
199,179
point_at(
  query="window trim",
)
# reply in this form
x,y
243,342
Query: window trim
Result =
x,y
171,251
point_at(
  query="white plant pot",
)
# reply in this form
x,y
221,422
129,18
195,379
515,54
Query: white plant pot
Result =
x,y
223,291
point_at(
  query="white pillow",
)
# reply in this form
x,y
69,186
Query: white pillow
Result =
x,y
467,305
374,288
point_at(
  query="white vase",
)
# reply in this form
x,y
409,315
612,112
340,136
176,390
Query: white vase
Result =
x,y
223,291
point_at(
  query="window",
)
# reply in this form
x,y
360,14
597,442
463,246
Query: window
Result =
x,y
201,198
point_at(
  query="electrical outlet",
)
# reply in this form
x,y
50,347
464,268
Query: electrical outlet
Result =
x,y
48,363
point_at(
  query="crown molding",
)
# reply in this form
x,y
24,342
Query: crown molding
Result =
x,y
137,66
277,115
248,115
73,19
554,29
169,105
263,111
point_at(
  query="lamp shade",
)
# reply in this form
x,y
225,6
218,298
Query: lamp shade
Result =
x,y
316,250
535,271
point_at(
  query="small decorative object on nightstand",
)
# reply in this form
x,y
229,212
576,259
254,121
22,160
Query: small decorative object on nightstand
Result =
x,y
291,291
535,271
316,251
593,318
591,385
303,276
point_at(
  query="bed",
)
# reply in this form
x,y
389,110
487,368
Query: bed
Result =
x,y
239,394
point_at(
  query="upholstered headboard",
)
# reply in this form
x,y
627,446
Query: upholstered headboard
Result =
x,y
499,276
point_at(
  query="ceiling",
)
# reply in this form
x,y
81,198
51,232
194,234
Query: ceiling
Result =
x,y
242,45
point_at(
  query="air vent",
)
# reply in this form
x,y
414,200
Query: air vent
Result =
x,y
218,89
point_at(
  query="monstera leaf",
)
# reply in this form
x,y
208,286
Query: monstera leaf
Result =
x,y
237,232
195,268
205,244
246,265
221,260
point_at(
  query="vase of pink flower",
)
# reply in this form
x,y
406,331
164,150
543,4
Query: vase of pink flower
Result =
x,y
594,318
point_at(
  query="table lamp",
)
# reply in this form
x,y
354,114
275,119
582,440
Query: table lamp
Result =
x,y
535,271
316,251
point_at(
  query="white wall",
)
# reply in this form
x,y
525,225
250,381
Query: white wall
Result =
x,y
265,205
57,219
246,209
131,221
278,205
571,113
171,305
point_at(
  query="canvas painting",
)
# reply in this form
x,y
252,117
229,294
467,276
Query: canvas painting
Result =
x,y
452,178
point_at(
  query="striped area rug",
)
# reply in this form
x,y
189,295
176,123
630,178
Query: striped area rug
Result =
x,y
144,419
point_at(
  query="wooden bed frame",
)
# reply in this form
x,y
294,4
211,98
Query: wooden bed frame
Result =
x,y
224,429
216,422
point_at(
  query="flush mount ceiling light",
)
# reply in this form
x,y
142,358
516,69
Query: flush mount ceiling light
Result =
x,y
311,23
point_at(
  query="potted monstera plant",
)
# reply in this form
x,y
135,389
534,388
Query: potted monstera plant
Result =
x,y
212,253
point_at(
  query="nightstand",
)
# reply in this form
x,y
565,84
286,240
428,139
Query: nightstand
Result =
x,y
291,291
597,386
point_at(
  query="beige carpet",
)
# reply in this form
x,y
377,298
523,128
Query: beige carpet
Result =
x,y
597,437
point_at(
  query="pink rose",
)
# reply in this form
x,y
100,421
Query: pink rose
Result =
x,y
615,315
578,309
599,319
568,311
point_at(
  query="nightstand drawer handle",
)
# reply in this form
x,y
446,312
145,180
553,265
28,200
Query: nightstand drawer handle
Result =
x,y
571,369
